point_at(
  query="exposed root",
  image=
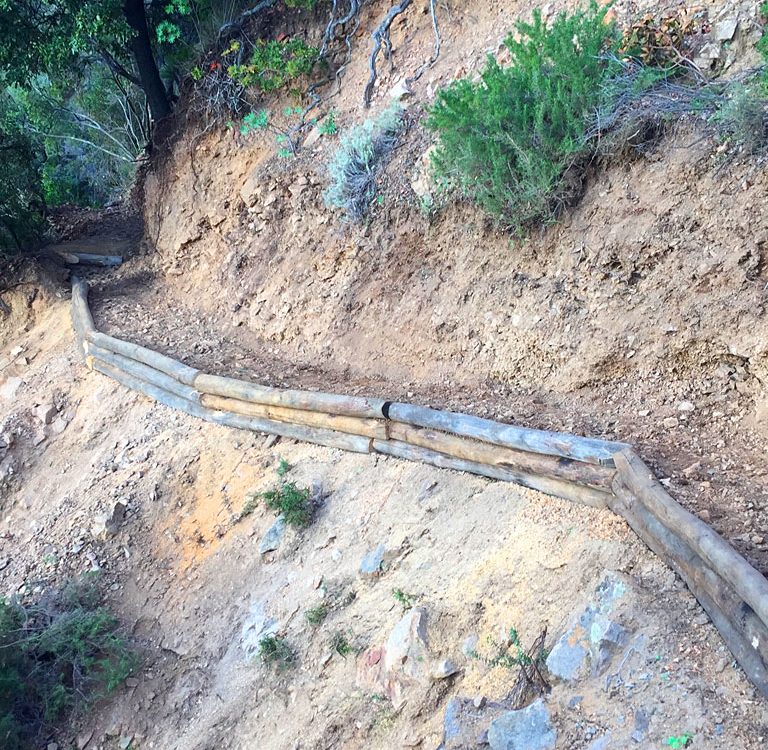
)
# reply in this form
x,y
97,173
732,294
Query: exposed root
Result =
x,y
381,38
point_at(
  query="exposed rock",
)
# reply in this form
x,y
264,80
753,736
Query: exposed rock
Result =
x,y
401,90
271,540
469,647
83,739
725,29
256,626
529,728
370,565
10,388
421,181
602,743
108,524
443,669
641,725
46,413
391,668
465,724
590,639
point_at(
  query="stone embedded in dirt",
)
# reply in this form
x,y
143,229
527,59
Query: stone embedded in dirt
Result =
x,y
370,565
465,724
46,413
270,441
642,721
10,388
686,406
401,90
469,647
670,422
83,739
725,29
590,640
108,524
256,625
271,540
443,669
401,662
530,728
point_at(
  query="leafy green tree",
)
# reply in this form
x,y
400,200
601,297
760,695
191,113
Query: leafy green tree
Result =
x,y
56,37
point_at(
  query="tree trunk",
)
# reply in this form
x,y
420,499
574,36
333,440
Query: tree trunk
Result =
x,y
141,47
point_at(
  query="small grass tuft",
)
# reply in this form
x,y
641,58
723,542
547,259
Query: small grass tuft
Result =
x,y
283,468
406,600
275,652
293,502
316,615
341,645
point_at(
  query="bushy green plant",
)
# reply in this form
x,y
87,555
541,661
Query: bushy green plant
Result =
x,y
356,163
274,64
507,140
294,503
743,118
316,615
275,652
55,656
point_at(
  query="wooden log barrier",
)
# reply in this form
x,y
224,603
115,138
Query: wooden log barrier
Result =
x,y
549,443
638,479
328,438
578,493
503,458
143,372
370,428
171,367
744,632
329,403
599,473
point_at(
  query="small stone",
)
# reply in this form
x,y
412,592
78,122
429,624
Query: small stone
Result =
x,y
444,669
400,90
270,441
10,388
46,413
53,746
469,647
670,422
479,701
529,728
686,406
16,351
370,565
131,682
757,539
83,739
125,742
108,524
271,540
725,29
701,619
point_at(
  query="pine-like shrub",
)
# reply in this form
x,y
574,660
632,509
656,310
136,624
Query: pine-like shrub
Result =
x,y
508,140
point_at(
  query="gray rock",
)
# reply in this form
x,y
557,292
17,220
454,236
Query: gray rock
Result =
x,y
406,646
46,413
370,565
10,388
108,524
602,743
271,540
529,728
641,725
469,647
443,669
465,723
256,625
725,29
592,637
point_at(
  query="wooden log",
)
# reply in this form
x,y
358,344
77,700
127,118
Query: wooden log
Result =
x,y
504,458
705,541
171,367
143,372
329,403
319,436
82,321
549,443
371,428
556,487
745,634
89,259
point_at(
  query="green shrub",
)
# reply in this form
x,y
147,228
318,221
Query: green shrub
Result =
x,y
55,656
274,64
361,154
316,615
507,140
275,652
293,502
743,118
